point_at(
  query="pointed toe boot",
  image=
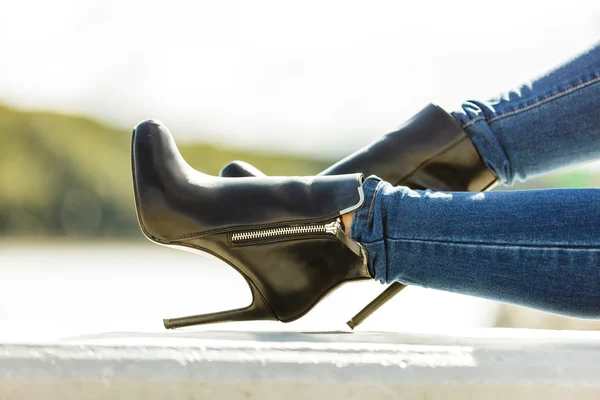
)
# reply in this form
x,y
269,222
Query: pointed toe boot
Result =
x,y
429,151
283,234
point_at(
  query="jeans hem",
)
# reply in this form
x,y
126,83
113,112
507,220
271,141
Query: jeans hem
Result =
x,y
361,229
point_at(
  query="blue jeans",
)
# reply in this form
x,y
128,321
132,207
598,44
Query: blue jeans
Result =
x,y
536,248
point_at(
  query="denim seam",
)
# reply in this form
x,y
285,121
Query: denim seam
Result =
x,y
534,104
373,200
484,244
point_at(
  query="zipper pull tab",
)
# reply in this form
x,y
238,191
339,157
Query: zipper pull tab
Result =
x,y
335,228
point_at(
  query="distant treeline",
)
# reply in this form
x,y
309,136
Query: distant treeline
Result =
x,y
66,175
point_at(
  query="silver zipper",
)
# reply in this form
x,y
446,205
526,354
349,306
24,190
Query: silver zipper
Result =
x,y
330,228
333,228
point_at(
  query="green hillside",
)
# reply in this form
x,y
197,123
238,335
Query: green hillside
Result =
x,y
67,175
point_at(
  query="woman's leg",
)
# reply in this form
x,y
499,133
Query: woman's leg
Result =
x,y
544,125
539,249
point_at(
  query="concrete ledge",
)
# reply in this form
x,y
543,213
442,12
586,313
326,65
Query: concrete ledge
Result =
x,y
494,364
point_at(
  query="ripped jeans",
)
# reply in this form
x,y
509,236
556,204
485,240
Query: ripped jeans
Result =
x,y
535,248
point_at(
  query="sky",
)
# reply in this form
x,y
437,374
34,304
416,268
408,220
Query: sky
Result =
x,y
313,77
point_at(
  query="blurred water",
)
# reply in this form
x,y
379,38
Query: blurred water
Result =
x,y
137,284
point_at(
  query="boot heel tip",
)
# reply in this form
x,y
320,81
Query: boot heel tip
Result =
x,y
351,324
168,324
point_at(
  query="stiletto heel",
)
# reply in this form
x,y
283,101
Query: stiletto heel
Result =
x,y
374,305
257,310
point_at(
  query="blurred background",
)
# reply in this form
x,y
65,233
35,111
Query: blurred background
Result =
x,y
288,87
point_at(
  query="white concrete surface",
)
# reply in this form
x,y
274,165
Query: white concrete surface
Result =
x,y
69,363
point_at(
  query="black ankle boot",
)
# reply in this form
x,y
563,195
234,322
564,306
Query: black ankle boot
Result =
x,y
430,151
282,234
